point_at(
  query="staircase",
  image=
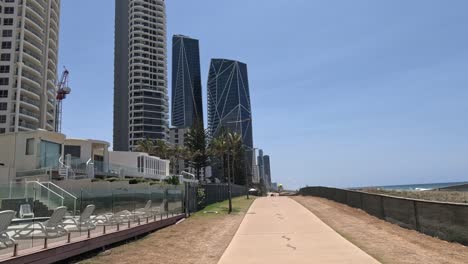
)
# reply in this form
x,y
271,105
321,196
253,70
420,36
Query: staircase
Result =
x,y
50,195
39,209
65,170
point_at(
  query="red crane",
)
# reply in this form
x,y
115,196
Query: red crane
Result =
x,y
62,91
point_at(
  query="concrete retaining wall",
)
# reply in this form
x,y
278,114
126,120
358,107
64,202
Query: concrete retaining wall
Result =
x,y
447,221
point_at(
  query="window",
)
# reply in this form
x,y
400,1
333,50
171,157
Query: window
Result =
x,y
3,93
2,130
7,33
30,146
8,21
4,81
6,45
49,154
74,151
2,119
4,69
5,57
3,106
9,10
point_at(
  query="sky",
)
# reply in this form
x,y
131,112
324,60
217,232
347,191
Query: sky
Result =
x,y
344,93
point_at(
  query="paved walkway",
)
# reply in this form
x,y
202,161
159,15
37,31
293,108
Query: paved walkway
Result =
x,y
279,230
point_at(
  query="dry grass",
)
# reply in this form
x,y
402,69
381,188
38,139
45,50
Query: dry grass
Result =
x,y
386,242
440,196
200,239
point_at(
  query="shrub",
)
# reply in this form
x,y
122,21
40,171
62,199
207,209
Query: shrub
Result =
x,y
173,180
134,181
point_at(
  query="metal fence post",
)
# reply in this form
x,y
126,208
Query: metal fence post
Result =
x,y
416,217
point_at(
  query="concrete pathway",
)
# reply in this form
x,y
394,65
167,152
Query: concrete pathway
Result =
x,y
279,230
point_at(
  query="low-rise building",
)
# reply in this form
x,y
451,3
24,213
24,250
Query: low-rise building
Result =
x,y
45,155
137,164
87,157
29,154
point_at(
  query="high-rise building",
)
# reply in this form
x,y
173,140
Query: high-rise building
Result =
x,y
261,166
187,108
229,105
141,107
28,64
267,170
229,99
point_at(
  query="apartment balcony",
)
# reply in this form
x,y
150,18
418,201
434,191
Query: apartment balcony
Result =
x,y
31,91
53,34
53,24
34,13
29,116
32,45
30,56
51,64
30,32
32,72
50,127
51,93
34,21
31,80
36,8
31,85
32,105
55,10
50,75
53,45
51,102
50,114
27,125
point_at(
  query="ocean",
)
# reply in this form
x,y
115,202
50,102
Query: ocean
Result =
x,y
418,187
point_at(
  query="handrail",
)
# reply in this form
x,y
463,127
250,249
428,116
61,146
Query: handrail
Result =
x,y
63,190
40,184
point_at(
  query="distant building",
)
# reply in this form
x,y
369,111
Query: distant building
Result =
x,y
255,168
187,108
229,105
261,166
267,170
28,64
141,107
274,186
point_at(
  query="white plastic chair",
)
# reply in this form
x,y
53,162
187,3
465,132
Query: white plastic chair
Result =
x,y
5,221
51,228
83,222
25,211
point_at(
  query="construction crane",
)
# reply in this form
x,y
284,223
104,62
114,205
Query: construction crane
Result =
x,y
62,91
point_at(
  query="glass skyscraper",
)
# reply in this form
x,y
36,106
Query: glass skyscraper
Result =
x,y
229,105
229,99
187,109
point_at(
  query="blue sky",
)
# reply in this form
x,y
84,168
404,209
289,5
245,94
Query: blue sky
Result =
x,y
344,93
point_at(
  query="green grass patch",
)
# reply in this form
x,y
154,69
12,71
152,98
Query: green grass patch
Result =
x,y
239,205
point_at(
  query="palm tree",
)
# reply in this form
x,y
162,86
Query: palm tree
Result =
x,y
161,149
220,149
146,145
236,151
